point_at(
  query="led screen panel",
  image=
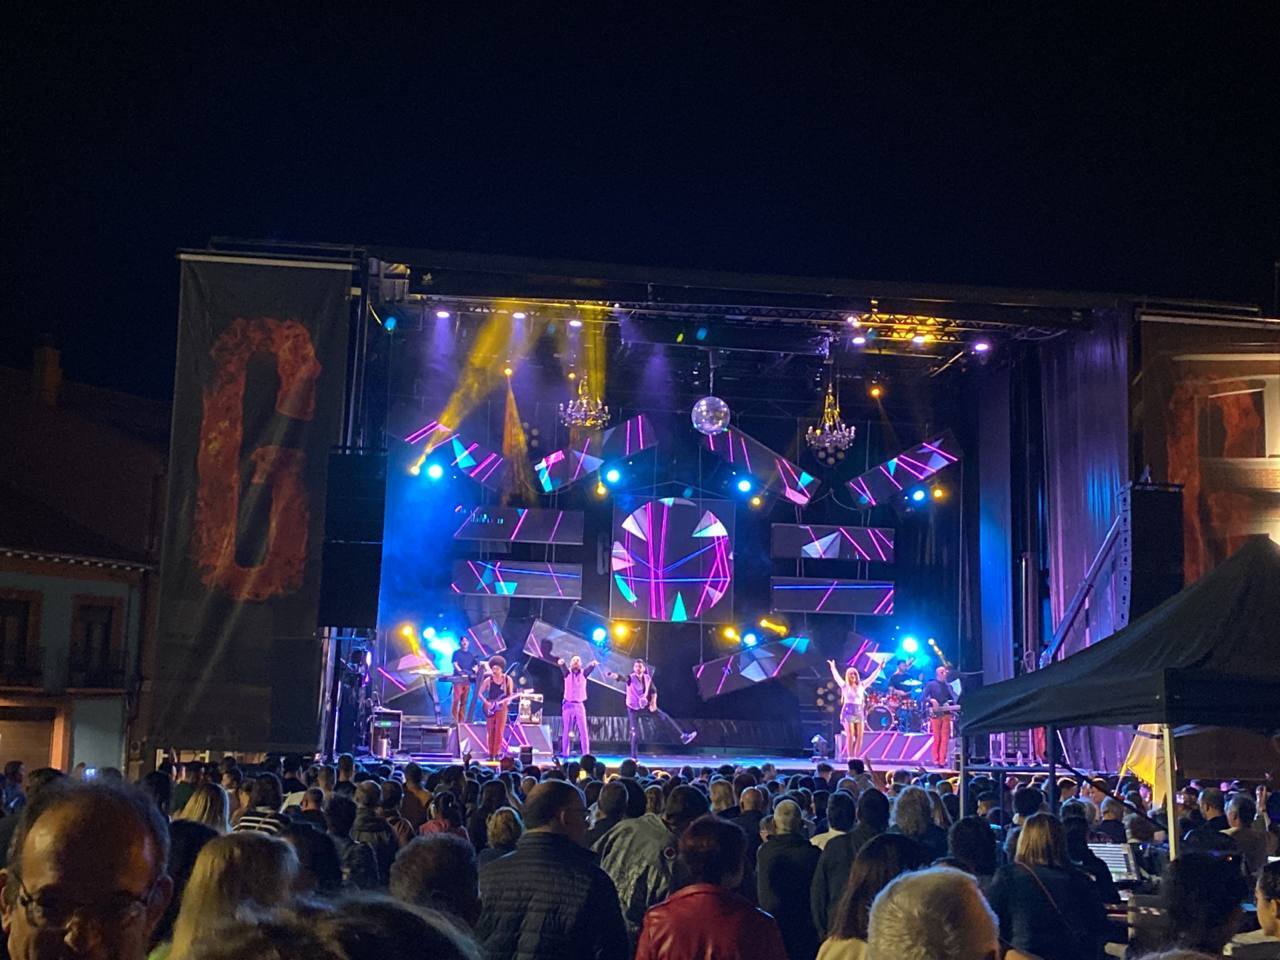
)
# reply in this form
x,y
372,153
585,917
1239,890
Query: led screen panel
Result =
x,y
521,525
747,667
566,466
775,472
517,578
548,642
896,476
828,595
816,541
672,560
486,467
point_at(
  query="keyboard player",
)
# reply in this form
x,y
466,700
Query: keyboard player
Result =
x,y
462,677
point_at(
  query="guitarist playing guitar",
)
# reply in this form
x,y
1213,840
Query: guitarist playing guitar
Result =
x,y
941,700
496,691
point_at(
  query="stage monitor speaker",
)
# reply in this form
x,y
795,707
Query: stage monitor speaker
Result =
x,y
349,580
526,756
356,498
1149,551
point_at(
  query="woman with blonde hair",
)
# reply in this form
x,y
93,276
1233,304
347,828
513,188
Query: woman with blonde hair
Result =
x,y
209,805
913,817
238,870
1046,906
503,830
853,699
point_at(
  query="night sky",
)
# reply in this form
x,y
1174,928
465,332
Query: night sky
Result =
x,y
1140,154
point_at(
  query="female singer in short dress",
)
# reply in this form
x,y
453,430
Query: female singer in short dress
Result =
x,y
853,698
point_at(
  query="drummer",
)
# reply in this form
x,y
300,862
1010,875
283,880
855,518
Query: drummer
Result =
x,y
904,679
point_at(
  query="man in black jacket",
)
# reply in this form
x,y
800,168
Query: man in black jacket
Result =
x,y
784,876
549,899
371,829
837,857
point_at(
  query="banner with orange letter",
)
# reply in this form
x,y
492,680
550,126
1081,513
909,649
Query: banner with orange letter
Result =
x,y
258,403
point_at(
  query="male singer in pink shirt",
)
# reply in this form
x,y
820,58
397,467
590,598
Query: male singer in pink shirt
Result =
x,y
573,706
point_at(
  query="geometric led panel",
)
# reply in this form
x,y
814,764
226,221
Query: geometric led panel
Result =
x,y
672,560
753,665
832,595
910,467
521,525
776,473
549,642
568,465
481,464
517,578
486,638
816,541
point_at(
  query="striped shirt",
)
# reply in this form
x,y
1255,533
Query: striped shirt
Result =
x,y
260,820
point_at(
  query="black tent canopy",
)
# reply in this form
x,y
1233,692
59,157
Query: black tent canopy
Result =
x,y
1209,655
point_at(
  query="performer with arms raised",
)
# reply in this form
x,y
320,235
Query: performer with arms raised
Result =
x,y
853,698
573,706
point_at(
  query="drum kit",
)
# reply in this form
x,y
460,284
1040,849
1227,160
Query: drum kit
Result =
x,y
897,710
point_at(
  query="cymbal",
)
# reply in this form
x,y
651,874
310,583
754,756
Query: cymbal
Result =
x,y
912,683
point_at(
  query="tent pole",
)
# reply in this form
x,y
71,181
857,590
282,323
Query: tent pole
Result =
x,y
1171,793
1051,742
963,773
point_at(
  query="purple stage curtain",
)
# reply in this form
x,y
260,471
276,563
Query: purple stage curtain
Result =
x,y
995,551
1086,431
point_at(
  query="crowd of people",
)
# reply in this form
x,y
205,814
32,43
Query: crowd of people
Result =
x,y
293,859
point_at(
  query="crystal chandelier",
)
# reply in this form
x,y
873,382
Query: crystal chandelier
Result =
x,y
585,410
832,433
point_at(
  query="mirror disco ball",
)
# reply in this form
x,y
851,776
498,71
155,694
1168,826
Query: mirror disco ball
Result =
x,y
710,416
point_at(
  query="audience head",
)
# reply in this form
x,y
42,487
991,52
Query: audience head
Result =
x,y
713,850
1267,895
232,872
753,798
1027,801
1212,802
1241,811
873,809
841,811
1112,809
721,795
556,807
186,839
159,788
912,812
209,805
503,828
267,792
1139,829
612,801
685,805
627,769
1202,894
1042,842
787,818
653,799
340,814
438,871
880,860
81,849
319,868
368,794
934,914
374,927
972,844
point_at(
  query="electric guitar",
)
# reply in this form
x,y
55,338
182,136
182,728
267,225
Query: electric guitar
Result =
x,y
491,708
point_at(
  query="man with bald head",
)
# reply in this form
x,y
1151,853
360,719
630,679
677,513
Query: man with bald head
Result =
x,y
87,878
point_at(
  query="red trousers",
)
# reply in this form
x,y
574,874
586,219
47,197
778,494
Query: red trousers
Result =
x,y
941,729
494,727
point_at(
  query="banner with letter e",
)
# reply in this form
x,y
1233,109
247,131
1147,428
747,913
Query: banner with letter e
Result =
x,y
258,403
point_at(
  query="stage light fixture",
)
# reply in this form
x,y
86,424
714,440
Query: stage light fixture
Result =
x,y
599,635
575,323
390,324
729,633
601,490
917,496
621,631
442,314
744,485
853,321
429,633
573,375
612,475
876,390
701,333
518,315
750,639
910,644
918,339
415,470
507,371
435,471
859,341
774,626
939,493
757,501
407,631
982,346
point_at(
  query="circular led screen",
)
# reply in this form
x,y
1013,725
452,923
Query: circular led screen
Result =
x,y
672,560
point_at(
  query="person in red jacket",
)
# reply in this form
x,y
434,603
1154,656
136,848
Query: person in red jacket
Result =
x,y
706,920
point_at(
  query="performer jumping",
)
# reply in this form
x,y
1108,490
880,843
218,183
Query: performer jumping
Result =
x,y
496,691
642,695
573,706
853,697
462,663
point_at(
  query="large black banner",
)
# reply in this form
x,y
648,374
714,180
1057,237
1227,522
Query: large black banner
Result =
x,y
258,402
